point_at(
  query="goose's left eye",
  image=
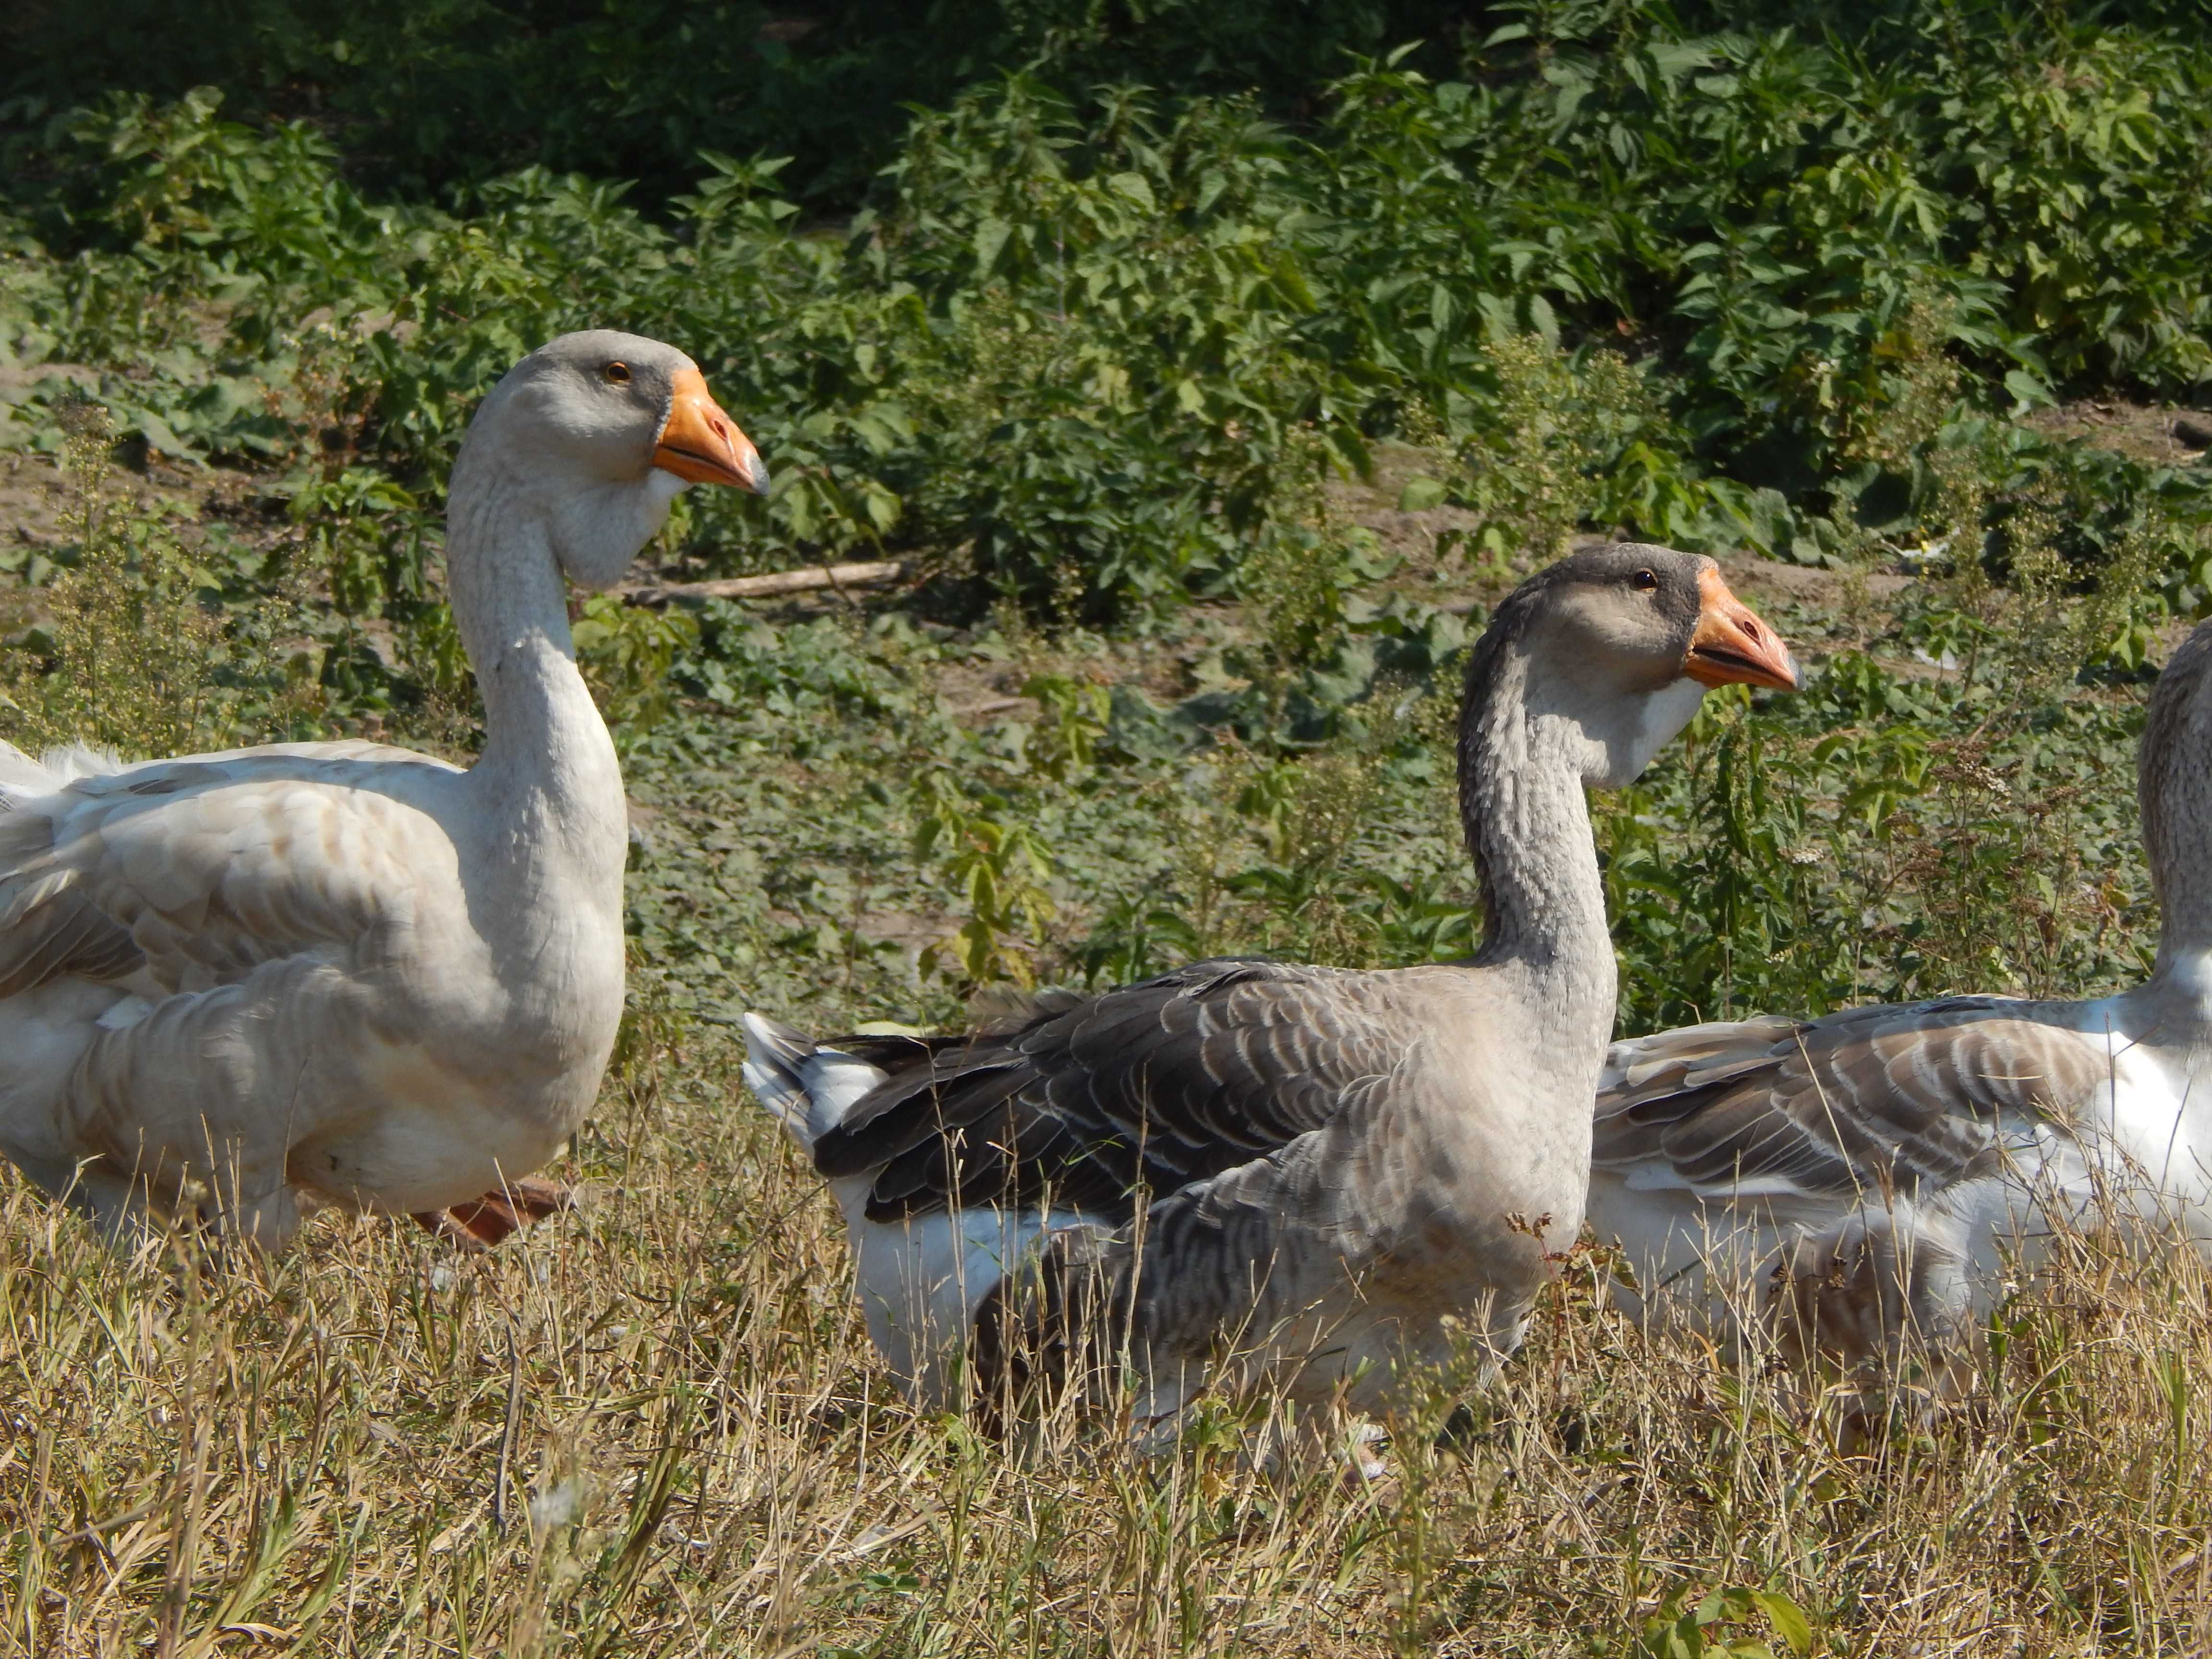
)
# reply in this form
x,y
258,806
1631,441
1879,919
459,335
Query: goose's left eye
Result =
x,y
619,373
1645,581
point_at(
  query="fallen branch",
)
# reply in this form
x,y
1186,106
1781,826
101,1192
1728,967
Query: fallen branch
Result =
x,y
874,574
994,705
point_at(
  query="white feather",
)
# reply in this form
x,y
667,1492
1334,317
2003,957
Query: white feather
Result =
x,y
920,1279
343,968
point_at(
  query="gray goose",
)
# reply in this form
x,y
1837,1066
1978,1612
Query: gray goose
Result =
x,y
342,970
1857,1186
1324,1166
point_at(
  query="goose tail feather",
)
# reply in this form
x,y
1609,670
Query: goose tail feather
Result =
x,y
807,1086
24,778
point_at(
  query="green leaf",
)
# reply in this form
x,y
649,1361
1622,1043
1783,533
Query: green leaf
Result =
x,y
159,435
1420,494
1133,185
990,240
1673,60
2028,392
1788,1620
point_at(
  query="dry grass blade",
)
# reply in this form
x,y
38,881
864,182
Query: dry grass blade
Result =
x,y
308,1461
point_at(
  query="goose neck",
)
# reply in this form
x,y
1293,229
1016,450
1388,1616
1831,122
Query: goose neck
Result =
x,y
545,743
2184,943
2180,989
2173,795
1526,819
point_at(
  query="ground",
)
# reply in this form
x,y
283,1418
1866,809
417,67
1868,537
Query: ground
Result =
x,y
653,1426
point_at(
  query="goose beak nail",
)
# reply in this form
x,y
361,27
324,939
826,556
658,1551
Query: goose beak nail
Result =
x,y
702,445
1732,646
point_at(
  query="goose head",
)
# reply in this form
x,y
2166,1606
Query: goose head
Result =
x,y
592,435
1619,643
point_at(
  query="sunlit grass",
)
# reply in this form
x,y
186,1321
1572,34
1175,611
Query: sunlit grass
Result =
x,y
655,1427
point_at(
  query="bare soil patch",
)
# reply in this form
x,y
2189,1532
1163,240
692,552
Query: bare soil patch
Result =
x,y
2162,434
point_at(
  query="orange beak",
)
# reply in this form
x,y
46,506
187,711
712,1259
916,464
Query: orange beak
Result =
x,y
702,445
1732,646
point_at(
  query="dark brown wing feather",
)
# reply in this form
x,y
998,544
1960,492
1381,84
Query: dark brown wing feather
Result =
x,y
1897,1095
1152,1086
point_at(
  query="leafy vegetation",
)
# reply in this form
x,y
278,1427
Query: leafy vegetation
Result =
x,y
1087,347
1209,418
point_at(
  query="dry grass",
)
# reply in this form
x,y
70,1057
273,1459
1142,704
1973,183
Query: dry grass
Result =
x,y
656,1428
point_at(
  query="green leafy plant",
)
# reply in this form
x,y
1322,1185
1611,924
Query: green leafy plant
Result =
x,y
626,652
1001,868
137,653
1693,1627
1074,717
1130,381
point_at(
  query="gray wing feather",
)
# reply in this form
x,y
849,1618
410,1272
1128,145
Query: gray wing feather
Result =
x,y
50,923
1891,1096
1148,1088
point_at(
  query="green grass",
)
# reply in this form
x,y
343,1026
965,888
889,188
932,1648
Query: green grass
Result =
x,y
343,1448
1211,423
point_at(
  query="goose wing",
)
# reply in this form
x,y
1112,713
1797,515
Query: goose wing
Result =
x,y
1153,1086
1889,1098
183,874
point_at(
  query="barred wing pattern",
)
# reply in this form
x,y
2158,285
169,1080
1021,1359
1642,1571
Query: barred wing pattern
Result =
x,y
233,951
192,874
1856,1184
1152,1087
1899,1098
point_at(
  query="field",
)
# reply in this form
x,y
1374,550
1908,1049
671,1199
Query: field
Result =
x,y
1209,374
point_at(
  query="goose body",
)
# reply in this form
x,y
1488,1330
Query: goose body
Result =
x,y
1869,1180
1315,1171
1323,1148
346,969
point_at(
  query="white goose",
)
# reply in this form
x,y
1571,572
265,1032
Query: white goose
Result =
x,y
342,968
1856,1184
1325,1167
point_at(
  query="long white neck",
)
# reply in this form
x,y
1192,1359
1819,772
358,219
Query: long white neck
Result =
x,y
548,776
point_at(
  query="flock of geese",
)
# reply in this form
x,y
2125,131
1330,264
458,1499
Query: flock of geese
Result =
x,y
239,983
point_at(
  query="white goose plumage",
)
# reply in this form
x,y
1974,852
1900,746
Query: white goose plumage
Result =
x,y
1322,1169
1862,1183
347,969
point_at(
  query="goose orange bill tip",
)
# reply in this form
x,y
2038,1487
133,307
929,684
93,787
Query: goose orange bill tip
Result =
x,y
1732,646
702,445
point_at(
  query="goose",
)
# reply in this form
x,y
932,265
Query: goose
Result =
x,y
1329,1167
342,970
1857,1187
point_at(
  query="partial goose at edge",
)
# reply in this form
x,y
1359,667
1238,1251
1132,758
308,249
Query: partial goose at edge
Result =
x,y
1862,1185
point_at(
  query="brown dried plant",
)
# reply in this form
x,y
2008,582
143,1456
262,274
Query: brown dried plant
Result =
x,y
131,651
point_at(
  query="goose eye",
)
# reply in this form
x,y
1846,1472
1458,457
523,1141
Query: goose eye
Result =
x,y
1644,581
619,373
